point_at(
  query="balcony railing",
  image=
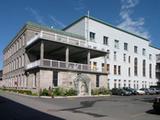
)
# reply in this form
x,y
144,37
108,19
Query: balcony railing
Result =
x,y
65,39
61,65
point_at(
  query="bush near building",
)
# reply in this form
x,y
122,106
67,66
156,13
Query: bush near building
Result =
x,y
100,91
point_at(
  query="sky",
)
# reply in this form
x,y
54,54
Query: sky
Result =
x,y
137,16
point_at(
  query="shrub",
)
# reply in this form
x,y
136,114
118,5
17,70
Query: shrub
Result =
x,y
58,91
70,92
95,91
44,92
98,91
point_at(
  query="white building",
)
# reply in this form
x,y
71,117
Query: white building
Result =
x,y
131,60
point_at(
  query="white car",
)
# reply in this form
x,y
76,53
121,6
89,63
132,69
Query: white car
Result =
x,y
140,92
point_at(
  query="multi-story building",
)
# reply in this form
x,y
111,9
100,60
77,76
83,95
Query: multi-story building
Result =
x,y
39,57
87,54
131,60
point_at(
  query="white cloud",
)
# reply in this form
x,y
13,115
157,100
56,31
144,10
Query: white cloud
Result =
x,y
35,14
128,23
57,22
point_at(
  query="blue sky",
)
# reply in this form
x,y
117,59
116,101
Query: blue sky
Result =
x,y
138,16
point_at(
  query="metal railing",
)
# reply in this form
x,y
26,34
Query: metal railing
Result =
x,y
61,65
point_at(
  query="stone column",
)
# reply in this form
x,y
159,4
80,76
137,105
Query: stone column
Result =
x,y
67,56
42,50
88,57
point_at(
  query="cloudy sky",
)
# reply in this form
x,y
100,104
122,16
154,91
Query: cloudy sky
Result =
x,y
138,16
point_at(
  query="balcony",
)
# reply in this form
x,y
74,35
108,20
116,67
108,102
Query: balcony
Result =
x,y
62,65
65,40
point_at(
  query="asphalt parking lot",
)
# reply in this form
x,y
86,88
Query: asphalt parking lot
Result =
x,y
18,107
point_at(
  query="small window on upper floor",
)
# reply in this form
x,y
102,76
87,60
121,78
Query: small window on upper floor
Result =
x,y
116,44
135,49
92,36
144,51
150,56
125,46
105,40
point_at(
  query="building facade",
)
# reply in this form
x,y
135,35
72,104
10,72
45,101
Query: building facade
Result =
x,y
40,57
131,60
85,55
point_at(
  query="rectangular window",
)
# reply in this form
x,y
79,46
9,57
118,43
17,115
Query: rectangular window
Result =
x,y
115,84
124,57
94,65
115,69
108,52
135,49
115,56
150,70
119,70
55,78
116,44
105,40
125,46
129,71
143,51
150,56
108,67
97,80
92,36
129,59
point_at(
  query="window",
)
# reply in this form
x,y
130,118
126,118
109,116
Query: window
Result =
x,y
125,46
94,65
115,55
150,56
115,84
115,69
55,78
150,70
92,36
108,52
135,66
144,68
108,67
105,40
97,80
124,85
119,84
135,49
116,44
119,70
143,51
124,57
129,59
129,71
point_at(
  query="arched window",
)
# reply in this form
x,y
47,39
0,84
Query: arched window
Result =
x,y
144,68
135,66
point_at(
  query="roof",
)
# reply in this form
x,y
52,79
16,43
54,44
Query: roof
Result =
x,y
107,24
43,27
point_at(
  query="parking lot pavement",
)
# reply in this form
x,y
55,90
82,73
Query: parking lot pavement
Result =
x,y
96,108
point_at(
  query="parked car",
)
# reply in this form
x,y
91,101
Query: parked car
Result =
x,y
148,91
156,104
140,92
131,90
119,91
